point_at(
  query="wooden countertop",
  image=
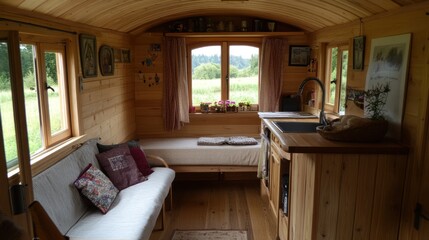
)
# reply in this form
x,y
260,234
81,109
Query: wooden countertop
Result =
x,y
315,143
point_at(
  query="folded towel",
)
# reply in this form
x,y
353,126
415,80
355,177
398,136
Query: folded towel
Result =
x,y
236,140
211,141
240,140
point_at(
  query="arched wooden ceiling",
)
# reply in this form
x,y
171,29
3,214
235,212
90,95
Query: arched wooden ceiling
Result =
x,y
136,16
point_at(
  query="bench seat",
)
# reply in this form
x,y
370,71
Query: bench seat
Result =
x,y
185,155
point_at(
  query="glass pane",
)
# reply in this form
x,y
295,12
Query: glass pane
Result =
x,y
243,74
31,98
344,62
206,84
333,76
6,110
55,75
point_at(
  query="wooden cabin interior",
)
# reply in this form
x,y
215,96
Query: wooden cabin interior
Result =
x,y
127,101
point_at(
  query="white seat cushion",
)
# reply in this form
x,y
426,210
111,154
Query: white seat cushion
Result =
x,y
133,214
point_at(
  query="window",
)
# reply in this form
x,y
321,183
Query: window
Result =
x,y
337,59
224,71
43,67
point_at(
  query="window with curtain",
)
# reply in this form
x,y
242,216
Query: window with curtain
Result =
x,y
222,71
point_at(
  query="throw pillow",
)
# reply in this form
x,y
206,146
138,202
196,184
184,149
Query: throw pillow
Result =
x,y
141,161
120,166
94,185
240,140
105,148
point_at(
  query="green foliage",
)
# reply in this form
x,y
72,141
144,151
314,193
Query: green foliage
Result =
x,y
376,99
207,71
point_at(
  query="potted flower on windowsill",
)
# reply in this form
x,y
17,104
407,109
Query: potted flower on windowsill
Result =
x,y
230,106
204,107
371,128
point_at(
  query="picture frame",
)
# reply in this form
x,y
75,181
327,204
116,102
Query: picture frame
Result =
x,y
358,52
126,58
107,60
88,55
118,55
299,55
388,64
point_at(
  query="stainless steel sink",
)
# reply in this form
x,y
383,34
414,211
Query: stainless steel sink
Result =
x,y
296,127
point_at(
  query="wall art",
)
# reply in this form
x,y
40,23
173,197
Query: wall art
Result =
x,y
389,64
107,61
88,56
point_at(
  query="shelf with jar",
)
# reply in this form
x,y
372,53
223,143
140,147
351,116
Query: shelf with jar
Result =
x,y
240,26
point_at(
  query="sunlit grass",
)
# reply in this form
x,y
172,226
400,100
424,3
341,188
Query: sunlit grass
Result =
x,y
241,90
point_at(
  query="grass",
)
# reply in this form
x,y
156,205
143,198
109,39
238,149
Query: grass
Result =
x,y
33,121
241,90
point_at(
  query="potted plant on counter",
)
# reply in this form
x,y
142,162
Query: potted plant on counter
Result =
x,y
371,128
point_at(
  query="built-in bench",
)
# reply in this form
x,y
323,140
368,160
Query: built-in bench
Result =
x,y
133,214
185,155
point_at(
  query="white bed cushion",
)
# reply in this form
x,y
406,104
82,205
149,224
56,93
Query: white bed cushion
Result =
x,y
125,219
186,151
55,191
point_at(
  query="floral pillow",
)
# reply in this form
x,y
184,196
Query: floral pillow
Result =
x,y
120,166
95,186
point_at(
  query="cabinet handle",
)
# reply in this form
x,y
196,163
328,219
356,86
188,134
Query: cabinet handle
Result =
x,y
418,214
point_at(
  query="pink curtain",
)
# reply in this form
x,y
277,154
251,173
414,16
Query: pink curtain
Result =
x,y
175,100
271,73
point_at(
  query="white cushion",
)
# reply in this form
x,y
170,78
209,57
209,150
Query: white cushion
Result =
x,y
133,214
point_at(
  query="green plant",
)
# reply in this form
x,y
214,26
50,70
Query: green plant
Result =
x,y
375,99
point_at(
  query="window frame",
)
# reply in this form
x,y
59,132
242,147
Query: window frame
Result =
x,y
334,108
224,43
49,138
54,149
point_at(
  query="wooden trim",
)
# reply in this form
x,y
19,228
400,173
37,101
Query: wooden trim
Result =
x,y
212,168
17,89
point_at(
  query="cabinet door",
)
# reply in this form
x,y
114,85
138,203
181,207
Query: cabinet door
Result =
x,y
274,182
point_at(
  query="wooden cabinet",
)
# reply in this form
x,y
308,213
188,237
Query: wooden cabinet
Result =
x,y
279,171
337,195
346,196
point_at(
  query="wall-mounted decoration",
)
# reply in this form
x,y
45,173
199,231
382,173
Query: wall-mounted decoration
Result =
x,y
126,58
358,52
107,61
155,47
388,64
299,55
88,55
118,55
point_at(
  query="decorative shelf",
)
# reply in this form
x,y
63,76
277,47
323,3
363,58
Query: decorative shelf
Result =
x,y
233,34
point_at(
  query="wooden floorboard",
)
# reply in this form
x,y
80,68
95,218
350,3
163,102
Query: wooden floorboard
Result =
x,y
218,205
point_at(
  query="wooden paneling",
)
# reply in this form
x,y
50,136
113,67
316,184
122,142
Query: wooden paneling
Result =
x,y
414,21
346,196
138,16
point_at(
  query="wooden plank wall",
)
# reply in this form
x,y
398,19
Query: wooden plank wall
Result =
x,y
108,101
412,20
148,97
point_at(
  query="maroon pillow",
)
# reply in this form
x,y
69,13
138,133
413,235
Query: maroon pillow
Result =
x,y
141,161
120,167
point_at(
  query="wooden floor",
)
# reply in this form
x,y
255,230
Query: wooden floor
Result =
x,y
218,204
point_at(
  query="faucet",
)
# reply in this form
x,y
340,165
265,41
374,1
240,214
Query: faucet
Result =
x,y
322,117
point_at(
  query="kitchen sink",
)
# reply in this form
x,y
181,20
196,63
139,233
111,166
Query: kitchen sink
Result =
x,y
296,127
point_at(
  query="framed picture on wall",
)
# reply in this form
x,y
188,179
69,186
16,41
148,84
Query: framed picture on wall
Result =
x,y
299,55
118,55
107,60
88,55
358,52
388,64
126,58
